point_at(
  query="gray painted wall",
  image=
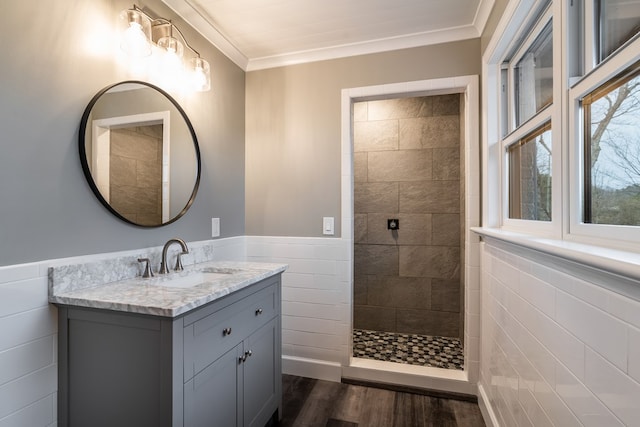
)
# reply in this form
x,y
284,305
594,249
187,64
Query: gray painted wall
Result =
x,y
293,125
57,58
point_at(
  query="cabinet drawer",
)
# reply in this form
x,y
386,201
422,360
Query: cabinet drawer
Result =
x,y
210,337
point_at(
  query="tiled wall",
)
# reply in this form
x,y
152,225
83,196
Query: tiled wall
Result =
x,y
28,352
558,349
407,166
315,298
136,172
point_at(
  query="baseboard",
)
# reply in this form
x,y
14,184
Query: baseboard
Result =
x,y
488,414
311,368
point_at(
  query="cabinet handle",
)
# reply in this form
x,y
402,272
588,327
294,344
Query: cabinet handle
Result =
x,y
226,331
258,312
245,356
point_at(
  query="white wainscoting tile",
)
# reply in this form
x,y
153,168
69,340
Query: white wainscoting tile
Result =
x,y
318,311
624,308
533,410
23,295
307,324
587,407
634,353
40,413
27,326
618,391
314,296
29,357
538,293
311,339
599,330
30,388
14,273
298,280
554,407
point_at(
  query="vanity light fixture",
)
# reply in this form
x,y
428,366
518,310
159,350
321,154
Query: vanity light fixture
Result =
x,y
141,33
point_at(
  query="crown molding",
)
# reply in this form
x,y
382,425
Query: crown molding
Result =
x,y
364,48
203,25
482,14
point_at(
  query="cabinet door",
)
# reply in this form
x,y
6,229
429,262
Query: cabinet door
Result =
x,y
211,398
260,376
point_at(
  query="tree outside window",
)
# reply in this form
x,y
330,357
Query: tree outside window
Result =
x,y
612,151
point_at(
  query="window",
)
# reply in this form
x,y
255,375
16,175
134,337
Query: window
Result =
x,y
604,131
534,77
575,93
527,84
612,151
618,22
530,176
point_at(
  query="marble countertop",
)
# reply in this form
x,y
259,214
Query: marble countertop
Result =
x,y
156,296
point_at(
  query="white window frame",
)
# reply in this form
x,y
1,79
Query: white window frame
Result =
x,y
618,236
550,113
576,73
517,57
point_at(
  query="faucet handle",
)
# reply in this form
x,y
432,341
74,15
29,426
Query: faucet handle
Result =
x,y
179,266
147,267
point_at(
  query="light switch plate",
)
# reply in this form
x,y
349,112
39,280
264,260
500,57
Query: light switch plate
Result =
x,y
215,227
327,225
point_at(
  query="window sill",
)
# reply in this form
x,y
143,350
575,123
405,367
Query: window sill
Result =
x,y
612,261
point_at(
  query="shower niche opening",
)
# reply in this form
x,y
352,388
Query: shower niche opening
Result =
x,y
408,230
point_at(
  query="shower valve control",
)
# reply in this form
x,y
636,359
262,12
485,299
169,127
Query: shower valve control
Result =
x,y
393,224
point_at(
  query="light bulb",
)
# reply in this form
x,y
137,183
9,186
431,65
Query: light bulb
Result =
x,y
171,45
136,32
134,42
171,64
199,79
200,75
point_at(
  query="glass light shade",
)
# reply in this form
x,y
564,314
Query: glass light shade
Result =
x,y
136,33
168,69
171,45
200,74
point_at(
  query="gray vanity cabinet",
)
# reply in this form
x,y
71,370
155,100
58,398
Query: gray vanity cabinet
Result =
x,y
203,400
233,350
236,389
217,365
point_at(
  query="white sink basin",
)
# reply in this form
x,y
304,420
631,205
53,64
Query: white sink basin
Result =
x,y
190,280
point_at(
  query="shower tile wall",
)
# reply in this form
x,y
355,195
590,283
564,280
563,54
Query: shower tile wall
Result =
x,y
407,166
136,171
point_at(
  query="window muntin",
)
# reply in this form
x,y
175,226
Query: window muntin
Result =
x,y
533,77
530,176
612,151
617,22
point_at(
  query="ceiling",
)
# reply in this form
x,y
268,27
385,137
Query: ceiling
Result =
x,y
258,34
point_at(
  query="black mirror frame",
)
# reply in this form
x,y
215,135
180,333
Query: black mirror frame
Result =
x,y
85,164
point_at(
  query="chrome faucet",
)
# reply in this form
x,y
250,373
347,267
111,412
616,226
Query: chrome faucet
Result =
x,y
163,264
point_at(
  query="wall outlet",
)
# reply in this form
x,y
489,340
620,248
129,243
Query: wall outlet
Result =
x,y
327,225
215,227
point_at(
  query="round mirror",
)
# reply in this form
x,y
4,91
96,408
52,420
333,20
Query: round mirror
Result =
x,y
139,153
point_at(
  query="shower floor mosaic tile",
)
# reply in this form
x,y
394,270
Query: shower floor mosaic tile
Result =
x,y
423,350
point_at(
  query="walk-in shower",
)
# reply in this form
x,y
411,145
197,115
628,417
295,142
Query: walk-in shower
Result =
x,y
408,230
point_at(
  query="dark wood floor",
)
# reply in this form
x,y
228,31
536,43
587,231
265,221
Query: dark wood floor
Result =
x,y
316,403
